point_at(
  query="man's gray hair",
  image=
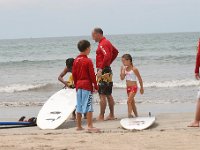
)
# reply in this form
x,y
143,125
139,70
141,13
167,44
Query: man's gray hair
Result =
x,y
98,30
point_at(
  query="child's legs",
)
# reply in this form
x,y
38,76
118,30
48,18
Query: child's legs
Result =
x,y
87,106
79,116
79,109
131,104
134,106
89,120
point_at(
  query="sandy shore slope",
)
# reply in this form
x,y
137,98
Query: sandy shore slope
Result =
x,y
169,133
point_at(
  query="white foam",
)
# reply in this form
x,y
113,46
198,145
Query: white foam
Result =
x,y
164,84
20,104
19,87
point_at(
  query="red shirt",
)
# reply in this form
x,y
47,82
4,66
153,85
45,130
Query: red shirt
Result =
x,y
105,54
83,73
198,59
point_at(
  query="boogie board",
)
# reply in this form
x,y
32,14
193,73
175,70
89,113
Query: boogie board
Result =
x,y
138,123
20,122
57,109
16,123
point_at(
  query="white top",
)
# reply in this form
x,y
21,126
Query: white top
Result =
x,y
130,75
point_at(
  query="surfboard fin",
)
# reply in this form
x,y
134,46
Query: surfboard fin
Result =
x,y
149,114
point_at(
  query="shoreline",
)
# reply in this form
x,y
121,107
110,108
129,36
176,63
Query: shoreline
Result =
x,y
120,110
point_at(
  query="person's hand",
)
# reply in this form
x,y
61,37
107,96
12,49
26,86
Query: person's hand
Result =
x,y
94,90
142,91
66,84
99,73
123,70
197,76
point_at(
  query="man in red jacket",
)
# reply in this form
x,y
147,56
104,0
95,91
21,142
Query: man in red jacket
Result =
x,y
195,123
106,53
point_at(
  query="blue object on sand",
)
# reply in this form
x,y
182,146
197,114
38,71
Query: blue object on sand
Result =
x,y
16,123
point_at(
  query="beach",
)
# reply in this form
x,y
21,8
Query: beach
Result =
x,y
144,54
166,66
169,132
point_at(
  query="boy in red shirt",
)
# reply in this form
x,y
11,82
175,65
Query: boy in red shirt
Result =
x,y
85,83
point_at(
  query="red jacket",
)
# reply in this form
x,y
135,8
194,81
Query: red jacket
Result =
x,y
106,53
83,73
198,59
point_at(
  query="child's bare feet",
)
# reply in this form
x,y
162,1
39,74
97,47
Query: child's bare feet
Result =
x,y
130,116
194,124
93,130
80,129
110,117
100,118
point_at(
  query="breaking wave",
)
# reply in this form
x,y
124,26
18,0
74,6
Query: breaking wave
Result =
x,y
165,84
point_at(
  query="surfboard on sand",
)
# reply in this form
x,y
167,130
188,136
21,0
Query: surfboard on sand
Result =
x,y
138,123
57,109
7,123
20,122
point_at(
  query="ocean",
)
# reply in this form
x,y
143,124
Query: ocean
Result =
x,y
29,68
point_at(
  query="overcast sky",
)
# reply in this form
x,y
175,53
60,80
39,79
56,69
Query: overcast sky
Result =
x,y
55,18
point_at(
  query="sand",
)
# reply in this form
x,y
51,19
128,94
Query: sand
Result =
x,y
170,132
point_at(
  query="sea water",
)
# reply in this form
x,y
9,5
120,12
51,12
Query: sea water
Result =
x,y
29,68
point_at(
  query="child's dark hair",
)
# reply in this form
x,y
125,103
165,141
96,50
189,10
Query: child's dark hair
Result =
x,y
128,57
69,63
83,45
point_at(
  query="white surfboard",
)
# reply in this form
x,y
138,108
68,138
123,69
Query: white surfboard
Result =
x,y
57,109
139,123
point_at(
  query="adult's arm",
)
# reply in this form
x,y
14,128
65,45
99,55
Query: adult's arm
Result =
x,y
115,53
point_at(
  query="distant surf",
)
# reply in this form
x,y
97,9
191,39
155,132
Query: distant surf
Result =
x,y
165,84
22,87
31,87
29,68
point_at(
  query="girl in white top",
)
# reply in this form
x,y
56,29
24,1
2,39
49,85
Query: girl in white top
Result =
x,y
131,74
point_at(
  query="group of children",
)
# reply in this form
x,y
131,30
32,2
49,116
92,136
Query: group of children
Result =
x,y
83,78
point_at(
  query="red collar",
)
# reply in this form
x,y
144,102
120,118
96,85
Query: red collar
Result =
x,y
82,56
102,39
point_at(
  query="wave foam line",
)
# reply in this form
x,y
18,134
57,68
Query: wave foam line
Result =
x,y
20,87
165,84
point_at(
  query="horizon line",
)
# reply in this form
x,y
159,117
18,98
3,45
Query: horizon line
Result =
x,y
43,37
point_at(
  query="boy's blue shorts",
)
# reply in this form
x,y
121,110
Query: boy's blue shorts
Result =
x,y
84,101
